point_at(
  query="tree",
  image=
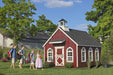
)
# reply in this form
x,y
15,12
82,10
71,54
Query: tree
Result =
x,y
45,25
16,18
103,16
107,49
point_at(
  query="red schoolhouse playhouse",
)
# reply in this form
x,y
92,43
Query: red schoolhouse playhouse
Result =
x,y
71,46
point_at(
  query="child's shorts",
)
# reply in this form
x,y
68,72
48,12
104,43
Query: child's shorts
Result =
x,y
32,63
13,60
21,60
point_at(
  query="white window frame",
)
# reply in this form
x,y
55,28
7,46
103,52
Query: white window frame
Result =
x,y
69,56
96,50
83,50
48,56
90,50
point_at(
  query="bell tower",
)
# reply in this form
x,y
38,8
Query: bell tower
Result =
x,y
63,24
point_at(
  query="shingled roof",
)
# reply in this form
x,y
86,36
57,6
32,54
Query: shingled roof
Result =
x,y
82,38
41,37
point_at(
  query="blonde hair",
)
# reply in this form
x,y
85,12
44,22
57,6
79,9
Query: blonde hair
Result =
x,y
38,52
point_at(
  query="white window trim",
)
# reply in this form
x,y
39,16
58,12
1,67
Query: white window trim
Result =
x,y
67,54
97,50
47,55
85,54
90,50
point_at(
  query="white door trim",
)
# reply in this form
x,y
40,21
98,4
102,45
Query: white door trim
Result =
x,y
60,47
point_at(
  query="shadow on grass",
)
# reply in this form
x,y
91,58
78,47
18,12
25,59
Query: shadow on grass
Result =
x,y
109,65
1,74
27,66
3,68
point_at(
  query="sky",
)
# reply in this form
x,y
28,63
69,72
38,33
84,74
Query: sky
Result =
x,y
72,11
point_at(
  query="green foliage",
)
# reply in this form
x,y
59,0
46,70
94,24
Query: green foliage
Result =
x,y
16,18
89,63
5,55
51,64
68,65
97,63
1,54
103,16
45,65
48,65
45,25
107,49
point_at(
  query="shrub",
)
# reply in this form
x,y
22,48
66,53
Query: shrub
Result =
x,y
5,60
89,63
68,65
97,64
5,55
1,54
45,65
51,64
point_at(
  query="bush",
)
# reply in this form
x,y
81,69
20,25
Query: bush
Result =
x,y
97,64
68,65
48,65
105,59
1,54
89,63
5,55
51,64
45,65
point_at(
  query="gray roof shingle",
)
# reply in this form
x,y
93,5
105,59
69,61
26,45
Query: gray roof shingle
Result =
x,y
82,38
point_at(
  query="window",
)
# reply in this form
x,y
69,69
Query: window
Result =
x,y
69,54
49,55
96,54
90,54
83,54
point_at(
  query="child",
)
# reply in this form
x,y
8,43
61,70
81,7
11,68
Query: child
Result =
x,y
22,53
38,63
32,56
13,55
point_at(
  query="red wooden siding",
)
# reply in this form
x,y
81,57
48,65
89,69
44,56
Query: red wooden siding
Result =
x,y
84,64
68,43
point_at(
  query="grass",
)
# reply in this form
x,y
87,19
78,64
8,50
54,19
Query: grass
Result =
x,y
5,70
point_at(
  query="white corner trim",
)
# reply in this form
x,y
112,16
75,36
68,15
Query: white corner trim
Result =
x,y
67,54
47,55
77,55
50,37
44,54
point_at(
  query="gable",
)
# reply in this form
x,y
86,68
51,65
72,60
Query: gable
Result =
x,y
80,38
60,32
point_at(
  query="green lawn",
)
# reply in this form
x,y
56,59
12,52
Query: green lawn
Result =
x,y
5,70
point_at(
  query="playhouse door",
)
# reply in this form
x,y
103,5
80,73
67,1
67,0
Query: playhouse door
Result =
x,y
59,56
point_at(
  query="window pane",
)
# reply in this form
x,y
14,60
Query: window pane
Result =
x,y
50,58
83,55
49,54
69,58
69,53
69,49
